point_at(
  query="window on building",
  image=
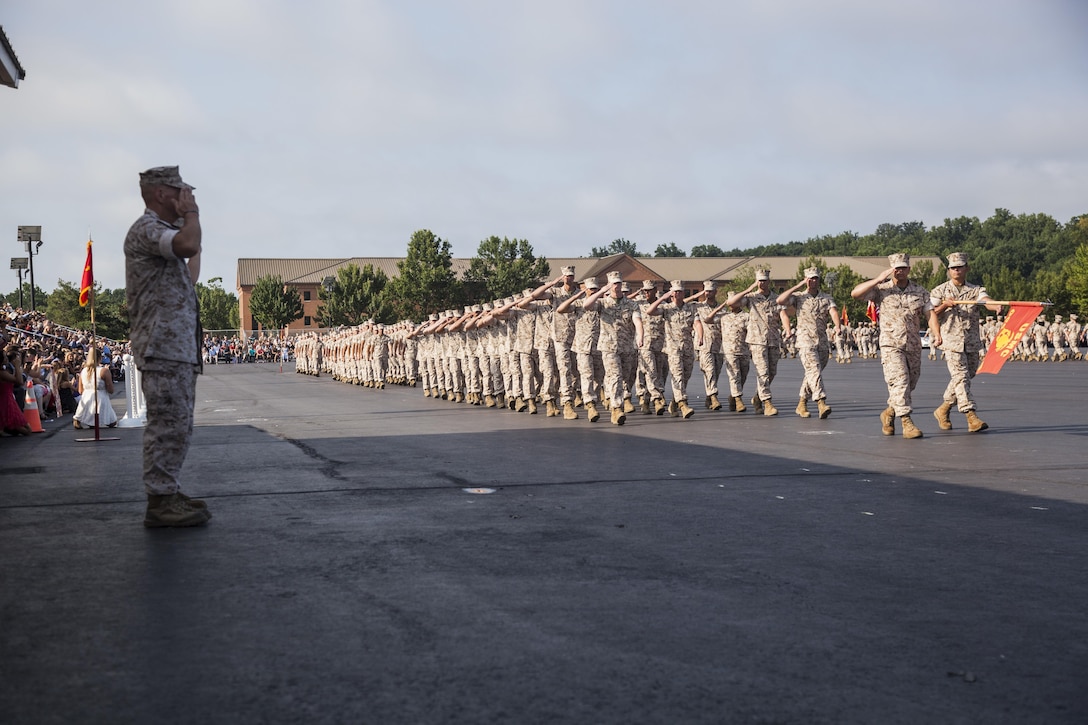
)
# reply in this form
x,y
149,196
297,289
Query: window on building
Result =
x,y
306,297
306,319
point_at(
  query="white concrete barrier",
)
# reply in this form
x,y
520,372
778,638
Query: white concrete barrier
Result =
x,y
136,417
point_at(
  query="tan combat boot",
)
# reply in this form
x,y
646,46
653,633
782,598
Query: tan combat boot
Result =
x,y
674,409
887,422
825,409
532,406
909,429
489,401
569,412
552,411
732,404
685,410
739,404
715,404
628,406
974,423
618,416
802,408
520,405
757,404
768,408
659,406
941,414
591,412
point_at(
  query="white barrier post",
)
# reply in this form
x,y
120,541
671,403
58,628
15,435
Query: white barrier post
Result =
x,y
136,417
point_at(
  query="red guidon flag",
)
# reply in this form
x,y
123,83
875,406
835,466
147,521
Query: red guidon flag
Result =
x,y
872,311
1021,316
87,284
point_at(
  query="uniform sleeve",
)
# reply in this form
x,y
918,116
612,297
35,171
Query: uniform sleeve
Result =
x,y
166,243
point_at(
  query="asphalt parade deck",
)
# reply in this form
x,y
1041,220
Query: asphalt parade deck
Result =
x,y
728,568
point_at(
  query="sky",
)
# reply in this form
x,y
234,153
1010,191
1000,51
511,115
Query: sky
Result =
x,y
337,128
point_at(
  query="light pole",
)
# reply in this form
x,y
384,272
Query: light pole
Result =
x,y
32,238
19,264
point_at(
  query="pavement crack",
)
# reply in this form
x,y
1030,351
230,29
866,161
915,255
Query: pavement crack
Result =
x,y
329,468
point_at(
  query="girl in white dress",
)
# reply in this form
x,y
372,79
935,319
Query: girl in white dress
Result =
x,y
94,376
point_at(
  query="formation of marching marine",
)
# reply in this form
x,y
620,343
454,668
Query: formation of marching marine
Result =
x,y
569,347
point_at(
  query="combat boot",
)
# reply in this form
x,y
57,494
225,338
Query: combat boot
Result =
x,y
802,408
909,429
500,400
715,404
578,400
941,414
552,411
569,412
686,411
757,404
732,404
532,406
172,511
887,422
618,416
644,402
825,409
489,401
738,404
520,405
768,408
628,406
674,409
974,423
659,406
426,392
591,412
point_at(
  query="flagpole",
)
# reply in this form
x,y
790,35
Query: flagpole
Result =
x,y
88,285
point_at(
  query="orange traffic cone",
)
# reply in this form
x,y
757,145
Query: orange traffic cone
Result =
x,y
30,412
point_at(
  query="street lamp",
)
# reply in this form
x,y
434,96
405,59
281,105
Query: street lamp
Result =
x,y
32,238
19,264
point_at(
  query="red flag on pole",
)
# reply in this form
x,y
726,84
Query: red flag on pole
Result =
x,y
845,317
872,311
1021,316
87,285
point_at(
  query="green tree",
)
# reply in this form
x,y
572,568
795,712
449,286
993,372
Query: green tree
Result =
x,y
218,308
425,282
40,297
618,246
707,250
1076,270
354,296
274,304
669,250
502,267
110,316
839,283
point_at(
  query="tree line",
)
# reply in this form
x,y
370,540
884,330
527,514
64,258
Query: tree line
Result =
x,y
1018,257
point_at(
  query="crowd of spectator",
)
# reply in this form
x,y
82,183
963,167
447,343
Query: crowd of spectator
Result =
x,y
44,359
258,348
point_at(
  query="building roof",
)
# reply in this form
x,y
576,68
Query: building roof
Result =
x,y
11,71
687,269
